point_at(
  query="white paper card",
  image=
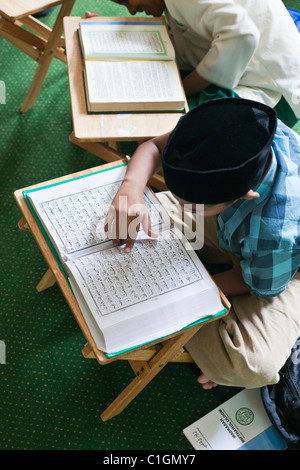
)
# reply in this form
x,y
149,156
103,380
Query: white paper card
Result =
x,y
241,423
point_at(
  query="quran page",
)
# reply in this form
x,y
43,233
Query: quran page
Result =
x,y
123,295
73,213
139,39
133,86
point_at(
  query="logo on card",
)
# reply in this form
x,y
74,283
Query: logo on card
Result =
x,y
244,416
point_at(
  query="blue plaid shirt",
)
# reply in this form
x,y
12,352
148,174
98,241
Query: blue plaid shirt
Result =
x,y
265,232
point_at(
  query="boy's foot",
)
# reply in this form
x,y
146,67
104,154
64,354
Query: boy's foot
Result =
x,y
206,383
91,14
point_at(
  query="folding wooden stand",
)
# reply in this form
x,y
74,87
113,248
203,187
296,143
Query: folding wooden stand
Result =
x,y
146,361
41,43
101,134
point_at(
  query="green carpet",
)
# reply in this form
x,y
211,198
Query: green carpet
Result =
x,y
50,396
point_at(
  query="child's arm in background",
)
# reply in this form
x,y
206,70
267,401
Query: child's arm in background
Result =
x,y
193,83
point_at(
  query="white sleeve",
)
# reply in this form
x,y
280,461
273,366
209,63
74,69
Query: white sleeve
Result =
x,y
234,39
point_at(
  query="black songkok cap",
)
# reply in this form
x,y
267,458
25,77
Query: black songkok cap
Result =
x,y
218,150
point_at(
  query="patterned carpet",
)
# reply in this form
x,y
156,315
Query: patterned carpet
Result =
x,y
50,396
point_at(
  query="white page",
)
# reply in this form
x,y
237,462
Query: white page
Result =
x,y
133,81
129,43
155,290
119,40
117,280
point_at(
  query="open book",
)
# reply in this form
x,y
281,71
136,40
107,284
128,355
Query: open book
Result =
x,y
129,66
127,300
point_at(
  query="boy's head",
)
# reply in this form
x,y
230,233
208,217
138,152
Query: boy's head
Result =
x,y
150,7
219,150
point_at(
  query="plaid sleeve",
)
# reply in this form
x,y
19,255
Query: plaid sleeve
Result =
x,y
268,273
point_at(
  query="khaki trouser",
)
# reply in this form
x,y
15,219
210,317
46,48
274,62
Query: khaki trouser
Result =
x,y
247,347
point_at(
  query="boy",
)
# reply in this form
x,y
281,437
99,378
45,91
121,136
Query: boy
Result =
x,y
245,48
234,157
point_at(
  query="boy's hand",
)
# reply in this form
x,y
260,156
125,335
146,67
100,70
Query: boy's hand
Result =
x,y
125,216
128,210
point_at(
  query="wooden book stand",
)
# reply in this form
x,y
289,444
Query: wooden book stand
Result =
x,y
37,41
102,133
146,361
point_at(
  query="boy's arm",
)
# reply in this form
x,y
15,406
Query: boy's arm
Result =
x,y
231,282
193,83
145,162
128,208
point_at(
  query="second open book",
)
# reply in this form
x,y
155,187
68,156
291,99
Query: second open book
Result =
x,y
129,66
127,299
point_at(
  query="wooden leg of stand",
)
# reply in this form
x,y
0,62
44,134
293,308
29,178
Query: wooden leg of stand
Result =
x,y
23,225
99,149
48,280
87,352
46,58
115,145
139,366
147,371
